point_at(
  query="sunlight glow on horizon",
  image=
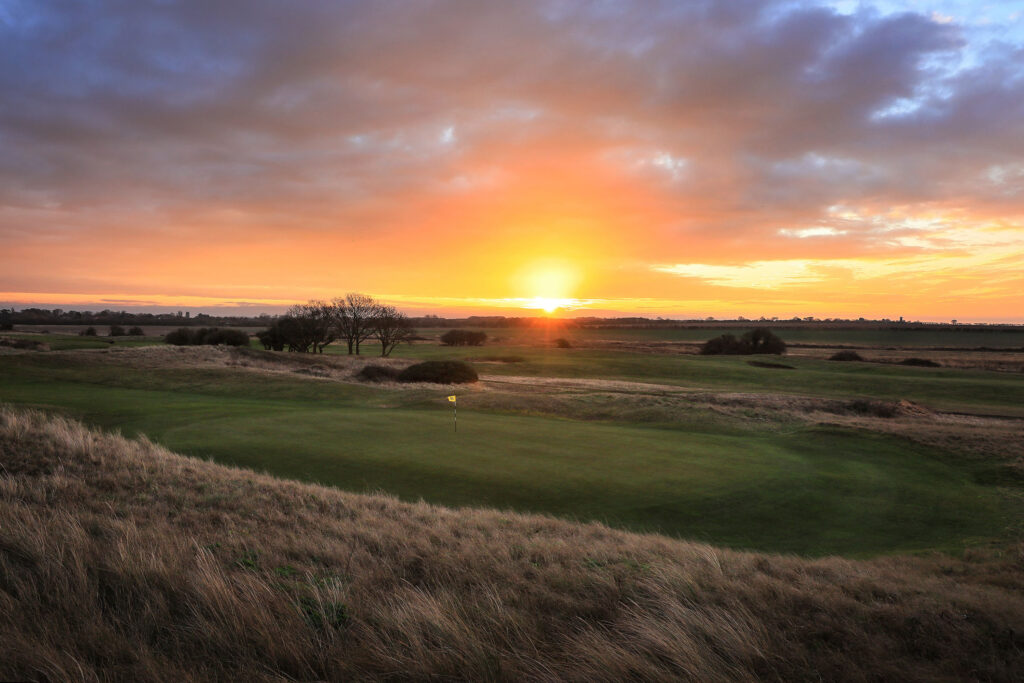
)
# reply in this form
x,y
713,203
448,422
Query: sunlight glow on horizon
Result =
x,y
716,170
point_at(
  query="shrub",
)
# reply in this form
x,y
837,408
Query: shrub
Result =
x,y
227,337
88,332
563,343
439,372
117,331
761,340
724,344
6,325
273,338
463,338
179,337
377,373
920,363
846,355
755,341
137,332
211,336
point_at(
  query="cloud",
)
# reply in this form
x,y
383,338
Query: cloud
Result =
x,y
421,135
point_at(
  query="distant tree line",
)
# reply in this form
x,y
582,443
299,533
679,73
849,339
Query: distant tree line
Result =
x,y
352,319
58,316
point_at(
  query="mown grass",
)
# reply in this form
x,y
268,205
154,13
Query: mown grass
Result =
x,y
71,342
806,490
940,388
122,561
963,336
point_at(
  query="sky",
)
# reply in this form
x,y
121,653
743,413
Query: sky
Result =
x,y
677,159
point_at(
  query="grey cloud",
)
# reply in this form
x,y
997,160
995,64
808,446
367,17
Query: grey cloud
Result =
x,y
165,104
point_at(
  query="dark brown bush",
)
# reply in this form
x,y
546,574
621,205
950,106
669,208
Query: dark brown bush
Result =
x,y
439,372
756,341
846,355
463,338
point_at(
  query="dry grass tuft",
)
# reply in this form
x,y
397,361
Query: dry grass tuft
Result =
x,y
121,560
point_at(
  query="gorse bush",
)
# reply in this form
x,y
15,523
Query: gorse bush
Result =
x,y
846,355
563,343
463,338
88,332
117,331
755,341
137,332
439,372
207,336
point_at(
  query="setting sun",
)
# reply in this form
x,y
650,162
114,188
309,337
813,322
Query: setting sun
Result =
x,y
548,305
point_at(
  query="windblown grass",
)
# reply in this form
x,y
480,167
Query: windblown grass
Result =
x,y
122,560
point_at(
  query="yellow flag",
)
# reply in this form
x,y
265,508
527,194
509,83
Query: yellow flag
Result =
x,y
451,399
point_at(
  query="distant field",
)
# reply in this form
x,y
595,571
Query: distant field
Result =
x,y
813,490
965,336
950,389
949,337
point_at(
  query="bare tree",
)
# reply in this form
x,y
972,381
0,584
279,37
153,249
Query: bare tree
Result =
x,y
313,327
391,327
354,319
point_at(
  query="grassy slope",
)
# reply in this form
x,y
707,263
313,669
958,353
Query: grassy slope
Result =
x,y
121,561
814,491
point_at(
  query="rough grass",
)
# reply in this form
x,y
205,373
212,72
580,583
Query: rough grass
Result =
x,y
641,456
121,560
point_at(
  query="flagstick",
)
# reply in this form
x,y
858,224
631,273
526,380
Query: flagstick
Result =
x,y
455,413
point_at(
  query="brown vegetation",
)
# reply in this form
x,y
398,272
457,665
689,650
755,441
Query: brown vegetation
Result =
x,y
23,344
121,560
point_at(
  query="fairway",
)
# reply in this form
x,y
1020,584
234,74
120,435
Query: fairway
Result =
x,y
807,490
971,391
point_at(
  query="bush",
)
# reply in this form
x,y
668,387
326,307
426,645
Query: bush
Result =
x,y
439,372
755,341
377,373
920,363
846,355
273,338
463,338
226,337
563,343
210,336
179,337
88,332
117,331
137,332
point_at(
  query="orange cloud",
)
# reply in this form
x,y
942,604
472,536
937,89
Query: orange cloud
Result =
x,y
758,158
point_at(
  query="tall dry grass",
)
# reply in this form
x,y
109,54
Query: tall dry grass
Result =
x,y
122,561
